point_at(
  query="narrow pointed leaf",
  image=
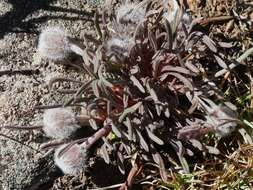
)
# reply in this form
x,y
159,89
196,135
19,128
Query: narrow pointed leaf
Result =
x,y
221,62
129,110
137,83
154,138
105,154
116,130
158,159
142,141
93,124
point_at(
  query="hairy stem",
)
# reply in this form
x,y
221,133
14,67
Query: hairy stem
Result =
x,y
95,137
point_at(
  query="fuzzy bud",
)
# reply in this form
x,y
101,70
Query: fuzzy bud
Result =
x,y
172,13
72,160
119,46
59,123
54,43
223,119
130,13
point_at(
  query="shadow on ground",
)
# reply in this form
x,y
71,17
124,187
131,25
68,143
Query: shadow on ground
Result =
x,y
16,20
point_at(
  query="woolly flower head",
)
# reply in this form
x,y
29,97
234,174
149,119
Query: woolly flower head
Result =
x,y
54,43
130,13
119,46
72,160
59,123
223,119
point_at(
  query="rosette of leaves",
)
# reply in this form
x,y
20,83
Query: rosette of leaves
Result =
x,y
147,82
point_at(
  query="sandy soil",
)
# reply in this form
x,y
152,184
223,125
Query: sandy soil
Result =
x,y
20,23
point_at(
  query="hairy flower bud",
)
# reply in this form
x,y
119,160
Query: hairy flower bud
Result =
x,y
55,44
72,160
172,13
119,46
223,119
59,123
130,13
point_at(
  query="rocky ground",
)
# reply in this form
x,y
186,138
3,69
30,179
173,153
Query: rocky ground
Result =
x,y
21,167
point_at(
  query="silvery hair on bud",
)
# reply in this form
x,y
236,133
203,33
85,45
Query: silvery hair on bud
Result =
x,y
119,45
59,123
72,160
130,13
54,43
224,120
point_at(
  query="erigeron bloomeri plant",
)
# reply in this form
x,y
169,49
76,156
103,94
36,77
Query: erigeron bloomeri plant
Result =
x,y
56,44
143,101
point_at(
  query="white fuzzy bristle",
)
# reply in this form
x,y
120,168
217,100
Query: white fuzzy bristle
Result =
x,y
54,43
223,119
130,13
119,46
59,123
72,161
